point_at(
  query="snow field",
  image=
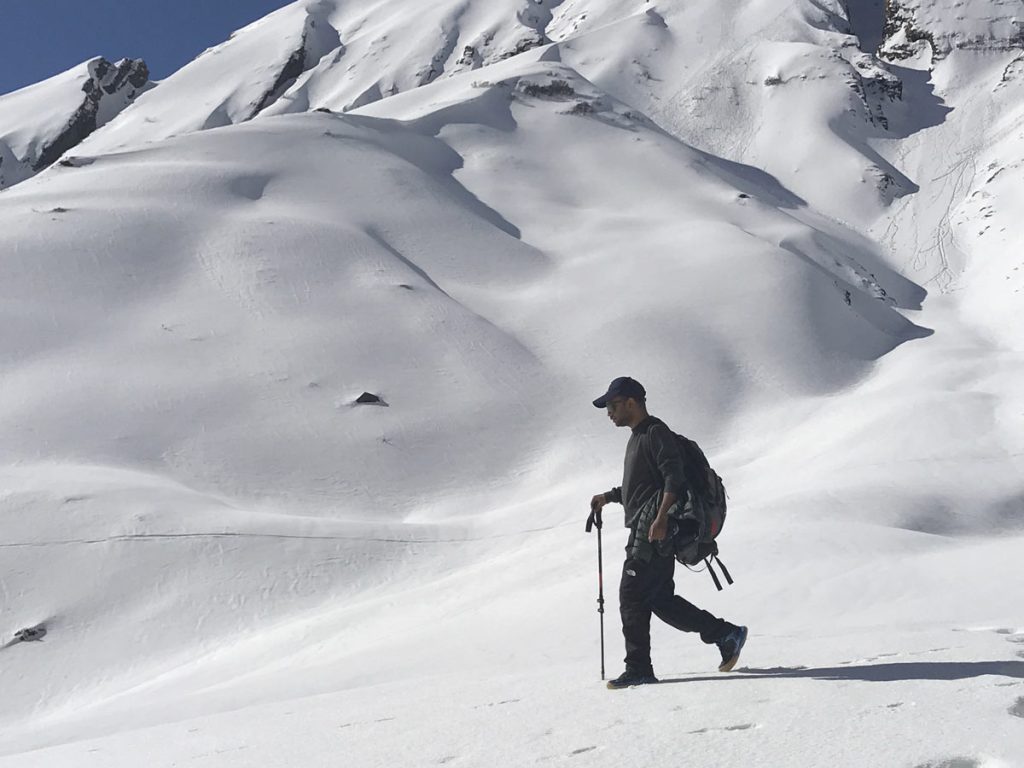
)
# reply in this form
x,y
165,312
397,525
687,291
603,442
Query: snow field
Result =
x,y
239,566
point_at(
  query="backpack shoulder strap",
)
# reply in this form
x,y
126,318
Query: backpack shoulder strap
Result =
x,y
645,446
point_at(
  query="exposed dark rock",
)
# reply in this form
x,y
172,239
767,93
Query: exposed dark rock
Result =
x,y
525,44
1013,42
31,634
436,67
556,89
1017,710
76,162
907,28
1013,71
899,19
368,398
876,87
582,108
318,39
294,67
113,77
123,80
27,635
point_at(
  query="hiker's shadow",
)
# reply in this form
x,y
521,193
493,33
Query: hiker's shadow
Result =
x,y
876,673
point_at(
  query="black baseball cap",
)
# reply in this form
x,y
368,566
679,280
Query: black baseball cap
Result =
x,y
622,387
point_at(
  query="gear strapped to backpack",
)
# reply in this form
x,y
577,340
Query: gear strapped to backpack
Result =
x,y
696,521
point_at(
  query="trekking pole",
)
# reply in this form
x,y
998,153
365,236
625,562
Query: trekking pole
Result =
x,y
595,519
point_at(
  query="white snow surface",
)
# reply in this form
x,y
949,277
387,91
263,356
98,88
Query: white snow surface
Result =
x,y
238,565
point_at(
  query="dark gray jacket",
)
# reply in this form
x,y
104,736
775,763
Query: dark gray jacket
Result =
x,y
653,464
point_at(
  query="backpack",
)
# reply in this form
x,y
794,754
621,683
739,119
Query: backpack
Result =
x,y
695,522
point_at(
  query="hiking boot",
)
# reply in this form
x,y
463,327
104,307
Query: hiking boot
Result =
x,y
632,677
730,646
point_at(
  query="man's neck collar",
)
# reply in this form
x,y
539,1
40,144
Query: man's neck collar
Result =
x,y
642,423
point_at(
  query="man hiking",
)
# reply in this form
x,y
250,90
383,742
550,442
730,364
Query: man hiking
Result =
x,y
652,482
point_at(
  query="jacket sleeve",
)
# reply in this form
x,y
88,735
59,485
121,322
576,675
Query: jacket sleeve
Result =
x,y
668,460
614,495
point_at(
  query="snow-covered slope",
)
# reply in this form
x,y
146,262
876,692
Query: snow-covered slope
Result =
x,y
41,122
237,563
229,83
336,54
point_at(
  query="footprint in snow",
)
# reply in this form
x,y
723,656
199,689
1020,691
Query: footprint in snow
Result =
x,y
497,703
740,727
581,750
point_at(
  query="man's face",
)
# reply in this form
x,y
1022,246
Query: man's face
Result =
x,y
619,410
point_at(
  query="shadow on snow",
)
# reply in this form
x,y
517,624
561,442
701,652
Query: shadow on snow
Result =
x,y
876,673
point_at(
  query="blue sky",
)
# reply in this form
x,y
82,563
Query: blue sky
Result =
x,y
41,38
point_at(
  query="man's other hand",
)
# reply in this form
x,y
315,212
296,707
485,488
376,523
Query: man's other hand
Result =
x,y
659,529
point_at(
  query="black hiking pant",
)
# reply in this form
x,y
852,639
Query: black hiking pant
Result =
x,y
646,588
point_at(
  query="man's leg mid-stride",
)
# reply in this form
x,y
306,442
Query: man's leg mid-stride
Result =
x,y
648,587
635,605
680,613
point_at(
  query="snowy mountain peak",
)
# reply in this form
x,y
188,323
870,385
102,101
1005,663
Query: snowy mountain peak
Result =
x,y
41,122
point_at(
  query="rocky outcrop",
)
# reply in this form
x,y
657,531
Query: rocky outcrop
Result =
x,y
76,104
903,37
939,27
110,89
11,171
876,87
318,39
